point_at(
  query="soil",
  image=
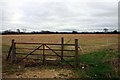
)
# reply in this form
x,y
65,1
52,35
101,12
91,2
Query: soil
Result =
x,y
33,72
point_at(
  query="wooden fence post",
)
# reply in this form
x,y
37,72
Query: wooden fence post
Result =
x,y
76,53
13,55
62,46
43,54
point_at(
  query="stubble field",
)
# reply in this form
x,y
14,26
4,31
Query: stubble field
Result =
x,y
88,43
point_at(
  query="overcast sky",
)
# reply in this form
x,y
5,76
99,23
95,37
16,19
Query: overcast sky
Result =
x,y
59,15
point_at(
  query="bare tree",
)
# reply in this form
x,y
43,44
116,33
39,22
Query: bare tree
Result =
x,y
24,30
74,32
105,30
18,30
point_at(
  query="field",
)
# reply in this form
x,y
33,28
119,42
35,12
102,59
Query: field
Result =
x,y
95,49
88,42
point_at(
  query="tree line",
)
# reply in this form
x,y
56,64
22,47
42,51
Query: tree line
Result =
x,y
105,31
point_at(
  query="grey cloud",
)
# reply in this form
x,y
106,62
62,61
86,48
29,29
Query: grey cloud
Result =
x,y
105,9
57,15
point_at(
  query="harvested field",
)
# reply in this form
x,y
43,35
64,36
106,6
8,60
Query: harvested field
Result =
x,y
87,42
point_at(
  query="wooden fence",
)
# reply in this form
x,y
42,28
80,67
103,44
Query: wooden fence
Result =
x,y
13,53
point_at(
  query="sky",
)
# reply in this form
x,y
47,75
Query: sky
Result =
x,y
59,15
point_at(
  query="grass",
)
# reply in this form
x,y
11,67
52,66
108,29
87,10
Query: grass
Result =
x,y
98,64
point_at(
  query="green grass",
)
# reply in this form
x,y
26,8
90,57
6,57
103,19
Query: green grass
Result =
x,y
98,64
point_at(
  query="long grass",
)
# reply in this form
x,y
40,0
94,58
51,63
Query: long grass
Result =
x,y
98,64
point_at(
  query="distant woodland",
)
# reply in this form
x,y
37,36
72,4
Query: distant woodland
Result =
x,y
105,31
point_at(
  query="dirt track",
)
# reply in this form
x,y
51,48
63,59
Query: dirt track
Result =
x,y
33,72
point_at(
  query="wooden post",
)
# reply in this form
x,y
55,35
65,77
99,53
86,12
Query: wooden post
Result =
x,y
62,46
13,55
76,53
43,54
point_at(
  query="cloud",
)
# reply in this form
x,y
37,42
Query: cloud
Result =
x,y
59,14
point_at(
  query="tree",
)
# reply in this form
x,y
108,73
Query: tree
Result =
x,y
74,32
115,31
18,30
8,32
105,30
24,30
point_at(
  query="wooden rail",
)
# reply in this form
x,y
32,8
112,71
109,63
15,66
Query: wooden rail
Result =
x,y
41,54
44,49
45,43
